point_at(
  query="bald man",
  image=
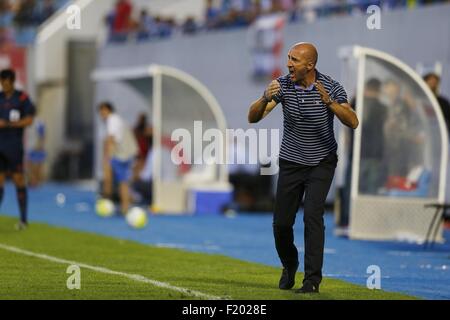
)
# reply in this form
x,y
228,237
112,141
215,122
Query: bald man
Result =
x,y
307,159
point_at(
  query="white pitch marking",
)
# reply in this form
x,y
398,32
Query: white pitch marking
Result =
x,y
135,277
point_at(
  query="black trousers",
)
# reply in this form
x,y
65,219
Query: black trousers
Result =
x,y
294,182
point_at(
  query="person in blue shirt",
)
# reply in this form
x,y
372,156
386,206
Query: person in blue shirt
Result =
x,y
36,154
16,113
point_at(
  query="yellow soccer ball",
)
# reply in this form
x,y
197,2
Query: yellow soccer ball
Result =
x,y
104,207
136,217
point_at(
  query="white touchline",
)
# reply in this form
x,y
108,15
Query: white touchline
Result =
x,y
135,277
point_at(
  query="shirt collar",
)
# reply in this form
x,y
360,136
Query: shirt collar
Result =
x,y
311,87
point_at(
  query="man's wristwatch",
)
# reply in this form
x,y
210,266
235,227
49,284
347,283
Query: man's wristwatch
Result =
x,y
265,98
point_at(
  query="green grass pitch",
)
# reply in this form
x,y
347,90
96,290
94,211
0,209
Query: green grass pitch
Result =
x,y
28,277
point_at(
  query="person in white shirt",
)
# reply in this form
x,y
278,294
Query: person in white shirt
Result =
x,y
120,149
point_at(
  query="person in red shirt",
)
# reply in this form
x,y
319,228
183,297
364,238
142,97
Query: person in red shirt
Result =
x,y
122,18
143,135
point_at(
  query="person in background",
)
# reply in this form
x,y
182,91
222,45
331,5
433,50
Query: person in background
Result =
x,y
26,14
122,20
119,151
143,134
371,176
164,26
146,26
143,182
16,114
403,129
212,15
109,23
190,26
6,19
37,154
433,81
47,10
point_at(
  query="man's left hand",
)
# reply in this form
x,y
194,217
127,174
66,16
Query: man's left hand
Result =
x,y
323,93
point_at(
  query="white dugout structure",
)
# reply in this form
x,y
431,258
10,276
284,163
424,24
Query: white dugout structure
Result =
x,y
175,100
400,155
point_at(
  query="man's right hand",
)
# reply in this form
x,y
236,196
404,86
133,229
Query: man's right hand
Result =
x,y
3,124
272,89
261,107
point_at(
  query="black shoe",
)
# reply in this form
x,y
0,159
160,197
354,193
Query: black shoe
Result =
x,y
287,280
308,287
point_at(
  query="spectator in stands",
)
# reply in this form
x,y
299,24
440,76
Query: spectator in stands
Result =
x,y
6,19
235,13
362,5
190,26
19,19
393,4
164,26
109,22
291,6
146,26
255,12
6,9
47,10
225,7
122,20
433,81
212,15
26,14
26,20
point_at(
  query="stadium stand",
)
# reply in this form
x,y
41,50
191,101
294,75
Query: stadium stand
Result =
x,y
19,19
123,25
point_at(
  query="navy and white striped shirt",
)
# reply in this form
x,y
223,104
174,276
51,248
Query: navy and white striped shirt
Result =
x,y
308,135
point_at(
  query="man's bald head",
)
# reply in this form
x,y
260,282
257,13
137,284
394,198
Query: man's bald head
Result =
x,y
307,51
302,59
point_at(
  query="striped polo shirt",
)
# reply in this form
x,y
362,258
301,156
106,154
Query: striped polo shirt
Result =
x,y
308,134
